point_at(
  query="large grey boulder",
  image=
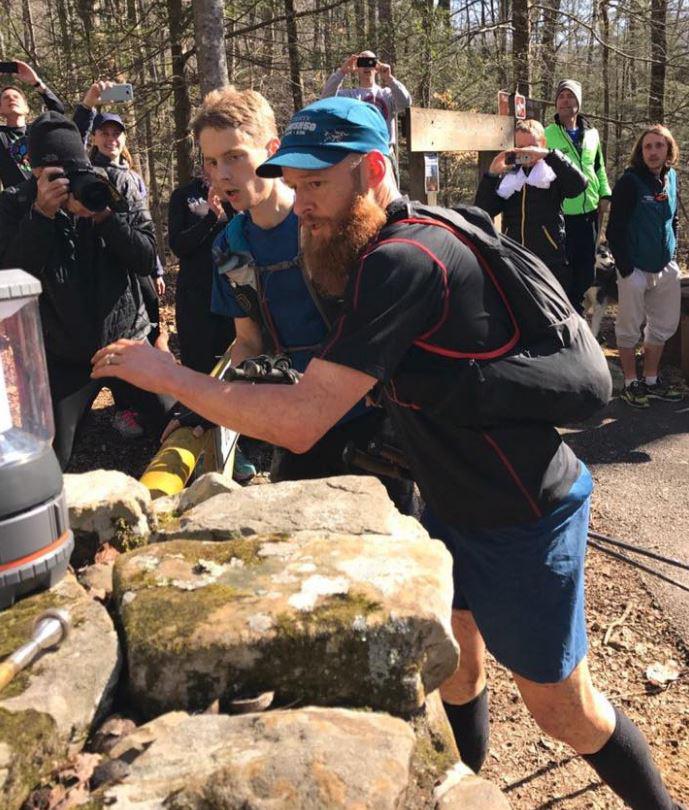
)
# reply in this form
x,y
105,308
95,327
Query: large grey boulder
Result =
x,y
313,613
309,759
351,504
48,710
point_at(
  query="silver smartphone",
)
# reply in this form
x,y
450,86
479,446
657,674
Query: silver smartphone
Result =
x,y
118,93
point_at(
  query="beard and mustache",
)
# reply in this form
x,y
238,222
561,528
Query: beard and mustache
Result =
x,y
331,258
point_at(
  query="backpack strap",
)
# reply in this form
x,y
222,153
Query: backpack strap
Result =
x,y
412,214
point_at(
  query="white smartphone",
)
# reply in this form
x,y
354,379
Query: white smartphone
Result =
x,y
118,93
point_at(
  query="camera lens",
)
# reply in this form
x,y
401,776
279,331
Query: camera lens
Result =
x,y
89,190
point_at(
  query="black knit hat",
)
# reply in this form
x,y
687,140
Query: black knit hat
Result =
x,y
54,140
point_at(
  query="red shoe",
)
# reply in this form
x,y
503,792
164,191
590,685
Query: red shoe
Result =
x,y
127,424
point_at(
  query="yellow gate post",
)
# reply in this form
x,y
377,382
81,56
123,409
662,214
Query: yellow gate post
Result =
x,y
173,464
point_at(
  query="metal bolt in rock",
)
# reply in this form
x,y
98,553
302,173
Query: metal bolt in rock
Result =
x,y
50,629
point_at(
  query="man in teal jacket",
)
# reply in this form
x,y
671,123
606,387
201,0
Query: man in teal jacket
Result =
x,y
579,141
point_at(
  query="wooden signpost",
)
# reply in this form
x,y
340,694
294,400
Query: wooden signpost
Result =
x,y
450,131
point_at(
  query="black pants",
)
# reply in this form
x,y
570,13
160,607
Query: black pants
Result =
x,y
581,230
203,336
73,392
324,459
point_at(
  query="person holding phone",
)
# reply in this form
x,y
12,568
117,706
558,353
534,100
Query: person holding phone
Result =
x,y
527,185
390,97
14,108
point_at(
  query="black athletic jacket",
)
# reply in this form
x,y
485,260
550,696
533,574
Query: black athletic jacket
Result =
x,y
90,296
533,216
191,236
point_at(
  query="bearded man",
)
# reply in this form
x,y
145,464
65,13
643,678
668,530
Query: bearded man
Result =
x,y
511,501
260,281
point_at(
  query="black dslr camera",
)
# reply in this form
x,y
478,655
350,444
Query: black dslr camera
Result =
x,y
92,189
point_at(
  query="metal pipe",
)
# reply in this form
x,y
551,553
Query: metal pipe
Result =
x,y
50,629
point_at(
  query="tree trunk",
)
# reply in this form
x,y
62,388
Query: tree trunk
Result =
x,y
269,41
520,46
230,49
209,34
386,32
549,54
605,58
502,42
181,103
293,50
372,36
29,36
656,95
360,25
425,88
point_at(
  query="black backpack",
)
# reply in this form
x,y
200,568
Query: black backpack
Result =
x,y
553,370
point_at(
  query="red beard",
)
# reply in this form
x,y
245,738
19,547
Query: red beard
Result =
x,y
330,260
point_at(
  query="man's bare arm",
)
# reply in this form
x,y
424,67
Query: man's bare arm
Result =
x,y
292,416
249,341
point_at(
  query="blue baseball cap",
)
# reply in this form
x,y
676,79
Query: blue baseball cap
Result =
x,y
325,132
108,118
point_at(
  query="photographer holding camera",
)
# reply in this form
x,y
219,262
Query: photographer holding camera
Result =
x,y
390,98
69,227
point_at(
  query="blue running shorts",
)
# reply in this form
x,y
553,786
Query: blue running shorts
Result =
x,y
525,585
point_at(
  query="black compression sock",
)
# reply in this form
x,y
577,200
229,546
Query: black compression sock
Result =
x,y
471,727
625,764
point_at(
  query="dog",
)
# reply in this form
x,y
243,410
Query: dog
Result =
x,y
604,288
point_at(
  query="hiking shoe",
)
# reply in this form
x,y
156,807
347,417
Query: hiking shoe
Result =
x,y
635,395
127,424
244,470
664,390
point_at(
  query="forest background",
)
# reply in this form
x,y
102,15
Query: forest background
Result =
x,y
632,57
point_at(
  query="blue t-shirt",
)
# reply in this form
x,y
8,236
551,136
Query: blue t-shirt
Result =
x,y
295,319
576,136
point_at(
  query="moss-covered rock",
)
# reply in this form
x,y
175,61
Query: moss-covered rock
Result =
x,y
48,709
29,748
318,618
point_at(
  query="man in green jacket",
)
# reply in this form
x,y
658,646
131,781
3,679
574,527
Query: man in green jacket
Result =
x,y
579,141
